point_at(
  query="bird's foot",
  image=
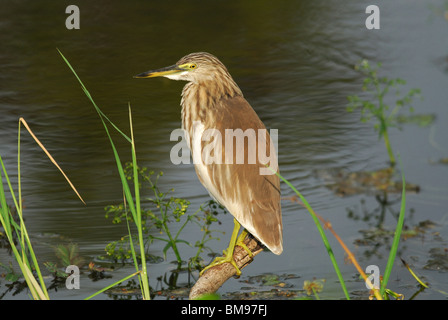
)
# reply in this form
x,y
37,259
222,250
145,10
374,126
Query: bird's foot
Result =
x,y
228,258
228,255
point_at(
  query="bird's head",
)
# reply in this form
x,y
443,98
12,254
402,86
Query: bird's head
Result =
x,y
195,67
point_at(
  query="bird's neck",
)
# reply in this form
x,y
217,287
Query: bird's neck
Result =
x,y
212,89
201,100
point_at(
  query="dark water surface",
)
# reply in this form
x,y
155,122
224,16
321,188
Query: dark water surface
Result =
x,y
294,62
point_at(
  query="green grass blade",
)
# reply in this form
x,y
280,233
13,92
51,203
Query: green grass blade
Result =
x,y
131,244
134,207
9,224
322,234
116,156
102,115
396,241
413,274
4,211
112,285
144,274
6,221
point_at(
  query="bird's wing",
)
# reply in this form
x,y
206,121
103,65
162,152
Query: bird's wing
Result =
x,y
252,198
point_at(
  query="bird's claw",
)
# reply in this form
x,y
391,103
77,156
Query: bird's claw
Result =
x,y
243,245
220,260
228,258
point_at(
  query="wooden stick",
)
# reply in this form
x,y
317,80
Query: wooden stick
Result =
x,y
215,277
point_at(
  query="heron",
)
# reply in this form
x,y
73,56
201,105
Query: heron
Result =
x,y
211,100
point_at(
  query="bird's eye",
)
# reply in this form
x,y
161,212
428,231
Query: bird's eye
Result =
x,y
193,66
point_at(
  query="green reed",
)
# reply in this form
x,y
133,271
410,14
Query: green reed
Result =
x,y
133,204
17,232
396,241
383,292
322,234
23,252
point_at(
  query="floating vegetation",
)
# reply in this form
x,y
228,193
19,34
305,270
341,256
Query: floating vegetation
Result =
x,y
438,260
271,279
344,183
267,286
272,294
376,236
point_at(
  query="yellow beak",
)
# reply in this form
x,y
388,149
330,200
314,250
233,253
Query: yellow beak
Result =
x,y
161,72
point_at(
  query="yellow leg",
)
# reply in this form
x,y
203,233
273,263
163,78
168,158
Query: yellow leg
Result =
x,y
240,242
228,258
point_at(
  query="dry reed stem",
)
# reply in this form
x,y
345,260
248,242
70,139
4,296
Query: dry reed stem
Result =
x,y
50,157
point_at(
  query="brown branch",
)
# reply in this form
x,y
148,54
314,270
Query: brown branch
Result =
x,y
215,277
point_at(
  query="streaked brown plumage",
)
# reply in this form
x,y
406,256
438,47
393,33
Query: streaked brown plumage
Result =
x,y
212,100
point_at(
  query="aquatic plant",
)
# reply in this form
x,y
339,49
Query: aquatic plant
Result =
x,y
314,287
14,228
321,224
375,106
162,209
69,254
132,200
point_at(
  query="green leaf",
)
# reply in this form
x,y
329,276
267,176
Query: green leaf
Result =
x,y
165,249
183,241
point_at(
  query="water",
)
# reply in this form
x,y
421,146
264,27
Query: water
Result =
x,y
294,62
